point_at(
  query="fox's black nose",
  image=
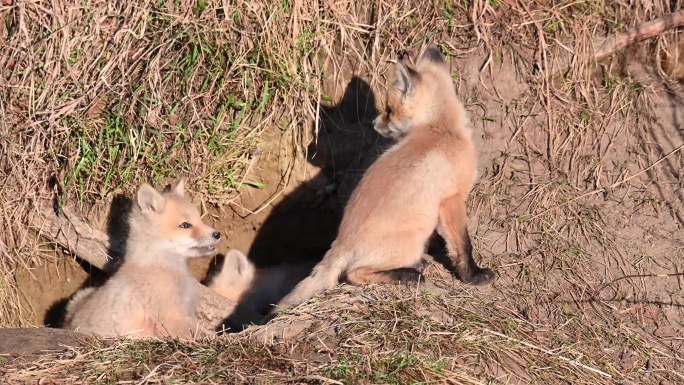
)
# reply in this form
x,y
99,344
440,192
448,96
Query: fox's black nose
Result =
x,y
216,235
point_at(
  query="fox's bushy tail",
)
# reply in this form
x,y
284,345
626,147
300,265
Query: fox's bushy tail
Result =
x,y
74,304
324,276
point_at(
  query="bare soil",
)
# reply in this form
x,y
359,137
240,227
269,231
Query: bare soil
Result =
x,y
24,343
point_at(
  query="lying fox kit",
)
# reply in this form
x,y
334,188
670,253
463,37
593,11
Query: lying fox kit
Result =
x,y
152,293
255,289
418,185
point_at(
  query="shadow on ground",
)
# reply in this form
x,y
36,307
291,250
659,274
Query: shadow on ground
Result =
x,y
302,226
117,231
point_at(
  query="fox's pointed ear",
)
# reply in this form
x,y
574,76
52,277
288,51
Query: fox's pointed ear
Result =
x,y
150,199
180,188
239,263
405,78
236,269
432,54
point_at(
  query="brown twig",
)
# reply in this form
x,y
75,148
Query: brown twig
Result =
x,y
325,380
611,45
641,32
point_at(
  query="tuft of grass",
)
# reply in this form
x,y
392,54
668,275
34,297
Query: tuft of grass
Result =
x,y
397,337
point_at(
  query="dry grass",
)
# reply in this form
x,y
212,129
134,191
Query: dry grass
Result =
x,y
102,96
381,335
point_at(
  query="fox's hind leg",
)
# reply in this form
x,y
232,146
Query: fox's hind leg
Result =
x,y
401,265
401,275
452,227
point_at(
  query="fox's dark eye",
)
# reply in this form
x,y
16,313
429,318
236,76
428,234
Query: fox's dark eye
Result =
x,y
185,225
388,110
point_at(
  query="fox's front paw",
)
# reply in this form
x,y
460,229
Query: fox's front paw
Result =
x,y
482,277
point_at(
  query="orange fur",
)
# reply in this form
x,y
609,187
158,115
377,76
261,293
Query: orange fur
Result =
x,y
416,186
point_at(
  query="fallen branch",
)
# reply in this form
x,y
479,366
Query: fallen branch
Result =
x,y
641,32
73,233
611,45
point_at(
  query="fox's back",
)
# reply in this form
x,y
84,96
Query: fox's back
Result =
x,y
415,175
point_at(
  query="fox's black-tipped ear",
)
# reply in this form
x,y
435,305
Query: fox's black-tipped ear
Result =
x,y
150,199
405,78
405,56
433,54
180,188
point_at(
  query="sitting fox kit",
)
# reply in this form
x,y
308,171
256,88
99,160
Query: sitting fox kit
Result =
x,y
418,185
152,293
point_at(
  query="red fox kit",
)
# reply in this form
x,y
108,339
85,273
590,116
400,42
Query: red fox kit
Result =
x,y
418,185
256,288
152,293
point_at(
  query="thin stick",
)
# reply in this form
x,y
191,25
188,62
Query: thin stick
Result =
x,y
614,44
612,186
640,32
376,32
639,276
562,358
